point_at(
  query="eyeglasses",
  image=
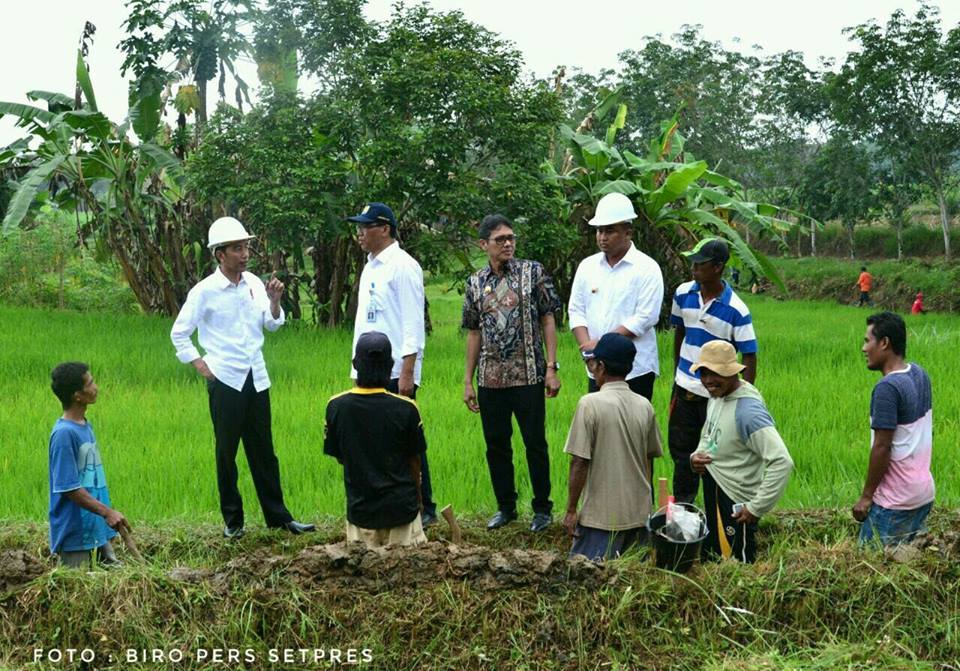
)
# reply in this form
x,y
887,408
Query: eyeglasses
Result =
x,y
362,228
501,240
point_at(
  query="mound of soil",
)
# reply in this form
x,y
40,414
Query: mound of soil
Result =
x,y
17,567
354,565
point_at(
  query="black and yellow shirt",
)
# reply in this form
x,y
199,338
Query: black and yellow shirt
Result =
x,y
374,433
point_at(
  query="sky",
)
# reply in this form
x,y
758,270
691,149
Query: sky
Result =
x,y
41,55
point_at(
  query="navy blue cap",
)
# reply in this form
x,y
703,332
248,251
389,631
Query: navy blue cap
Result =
x,y
375,214
374,346
613,348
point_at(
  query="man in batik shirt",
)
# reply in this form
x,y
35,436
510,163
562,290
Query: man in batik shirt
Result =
x,y
508,312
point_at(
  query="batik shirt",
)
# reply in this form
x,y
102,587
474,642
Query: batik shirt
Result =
x,y
506,309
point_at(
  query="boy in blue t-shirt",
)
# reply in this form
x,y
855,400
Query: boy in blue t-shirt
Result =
x,y
81,519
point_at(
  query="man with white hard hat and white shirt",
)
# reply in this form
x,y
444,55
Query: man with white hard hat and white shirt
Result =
x,y
618,290
230,308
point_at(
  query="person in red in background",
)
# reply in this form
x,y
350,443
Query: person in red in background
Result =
x,y
865,282
917,307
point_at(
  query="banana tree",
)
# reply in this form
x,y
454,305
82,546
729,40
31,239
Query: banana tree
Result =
x,y
131,192
678,198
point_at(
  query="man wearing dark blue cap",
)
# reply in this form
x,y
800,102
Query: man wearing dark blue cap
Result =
x,y
378,437
390,300
613,441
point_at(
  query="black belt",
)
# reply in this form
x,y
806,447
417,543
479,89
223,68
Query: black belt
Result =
x,y
689,396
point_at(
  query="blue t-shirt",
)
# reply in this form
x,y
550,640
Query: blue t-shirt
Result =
x,y
75,463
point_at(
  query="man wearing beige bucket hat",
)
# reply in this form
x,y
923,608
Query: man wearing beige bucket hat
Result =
x,y
742,458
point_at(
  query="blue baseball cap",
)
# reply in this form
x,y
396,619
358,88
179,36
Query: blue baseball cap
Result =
x,y
375,214
373,346
613,348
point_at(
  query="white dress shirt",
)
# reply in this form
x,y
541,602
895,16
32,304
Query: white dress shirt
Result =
x,y
629,294
390,300
230,318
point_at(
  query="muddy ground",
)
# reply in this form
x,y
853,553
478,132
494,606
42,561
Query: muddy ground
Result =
x,y
354,566
481,566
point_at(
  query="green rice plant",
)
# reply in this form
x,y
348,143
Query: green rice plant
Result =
x,y
154,429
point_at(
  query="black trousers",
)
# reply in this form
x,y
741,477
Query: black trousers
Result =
x,y
688,413
245,416
497,406
725,537
426,488
642,385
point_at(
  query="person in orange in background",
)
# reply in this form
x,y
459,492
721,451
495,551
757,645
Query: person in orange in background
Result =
x,y
865,282
917,307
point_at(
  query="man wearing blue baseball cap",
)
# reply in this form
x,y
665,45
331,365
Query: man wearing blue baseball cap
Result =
x,y
391,300
613,441
378,438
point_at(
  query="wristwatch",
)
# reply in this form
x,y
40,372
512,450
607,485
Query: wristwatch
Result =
x,y
555,365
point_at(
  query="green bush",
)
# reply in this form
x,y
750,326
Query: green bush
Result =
x,y
42,266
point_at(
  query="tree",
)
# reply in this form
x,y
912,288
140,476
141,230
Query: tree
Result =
x,y
894,192
679,200
838,184
279,167
793,112
901,88
427,112
716,90
130,191
202,43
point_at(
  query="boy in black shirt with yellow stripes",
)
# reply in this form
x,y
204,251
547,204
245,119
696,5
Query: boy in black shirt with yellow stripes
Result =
x,y
378,437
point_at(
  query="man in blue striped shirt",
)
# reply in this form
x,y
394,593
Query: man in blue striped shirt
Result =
x,y
703,310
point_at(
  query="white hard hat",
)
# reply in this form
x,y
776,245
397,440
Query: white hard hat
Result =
x,y
224,230
613,209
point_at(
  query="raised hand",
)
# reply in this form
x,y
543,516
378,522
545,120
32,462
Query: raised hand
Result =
x,y
274,288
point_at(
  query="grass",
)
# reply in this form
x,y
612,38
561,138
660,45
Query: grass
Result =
x,y
895,283
813,601
157,444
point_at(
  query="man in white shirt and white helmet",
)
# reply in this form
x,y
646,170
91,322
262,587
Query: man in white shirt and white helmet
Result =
x,y
618,290
230,308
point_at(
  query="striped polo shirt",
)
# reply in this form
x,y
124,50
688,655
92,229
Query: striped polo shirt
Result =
x,y
726,317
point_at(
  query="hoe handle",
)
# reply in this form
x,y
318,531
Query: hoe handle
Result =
x,y
663,492
130,543
455,534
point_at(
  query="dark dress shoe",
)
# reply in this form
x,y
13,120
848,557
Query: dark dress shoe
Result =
x,y
295,527
233,532
500,519
541,521
426,519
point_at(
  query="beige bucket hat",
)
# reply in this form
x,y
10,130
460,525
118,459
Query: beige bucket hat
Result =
x,y
720,357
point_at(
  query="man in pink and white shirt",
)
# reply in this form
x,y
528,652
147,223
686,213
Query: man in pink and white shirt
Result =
x,y
899,490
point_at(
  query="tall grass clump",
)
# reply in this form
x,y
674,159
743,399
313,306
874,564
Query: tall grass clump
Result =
x,y
813,600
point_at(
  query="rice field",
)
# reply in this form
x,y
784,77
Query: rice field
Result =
x,y
157,444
